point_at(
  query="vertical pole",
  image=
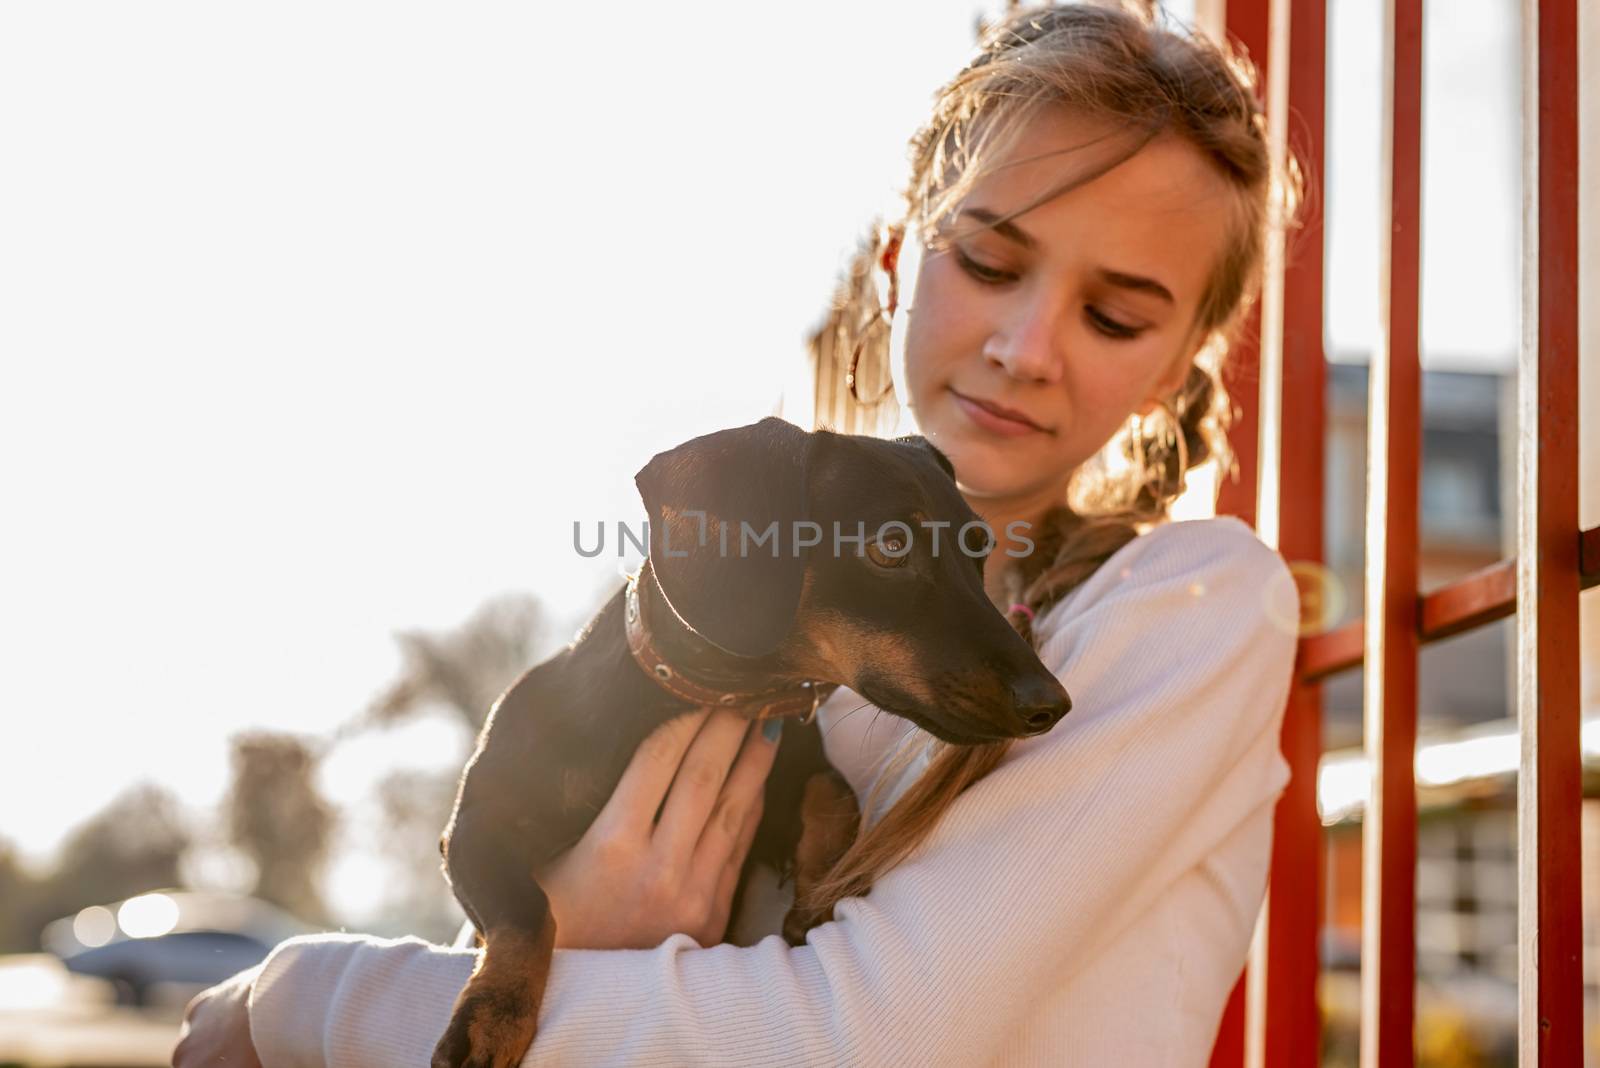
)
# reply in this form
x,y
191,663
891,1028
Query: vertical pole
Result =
x,y
1550,934
1283,1018
1389,830
1228,1050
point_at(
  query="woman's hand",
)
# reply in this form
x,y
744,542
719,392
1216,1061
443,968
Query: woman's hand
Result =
x,y
631,881
216,1027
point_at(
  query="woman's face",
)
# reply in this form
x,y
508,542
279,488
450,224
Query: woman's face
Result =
x,y
1074,315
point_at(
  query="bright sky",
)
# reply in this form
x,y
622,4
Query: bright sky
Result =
x,y
325,320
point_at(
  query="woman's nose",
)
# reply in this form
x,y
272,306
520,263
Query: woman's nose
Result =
x,y
1026,345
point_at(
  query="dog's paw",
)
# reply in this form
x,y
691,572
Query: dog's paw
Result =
x,y
483,1034
454,1049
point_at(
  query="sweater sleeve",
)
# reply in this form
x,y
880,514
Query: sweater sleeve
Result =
x,y
1178,655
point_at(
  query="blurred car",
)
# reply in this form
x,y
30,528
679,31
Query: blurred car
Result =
x,y
168,944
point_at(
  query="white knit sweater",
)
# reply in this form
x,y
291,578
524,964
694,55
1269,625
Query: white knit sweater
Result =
x,y
1090,902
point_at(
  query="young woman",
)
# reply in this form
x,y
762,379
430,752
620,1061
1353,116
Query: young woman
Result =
x,y
1085,217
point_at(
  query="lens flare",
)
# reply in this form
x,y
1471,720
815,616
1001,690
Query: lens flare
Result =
x,y
147,916
94,926
1322,597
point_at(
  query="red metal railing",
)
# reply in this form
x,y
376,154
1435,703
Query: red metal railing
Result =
x,y
1394,427
1272,1019
1549,784
1273,1013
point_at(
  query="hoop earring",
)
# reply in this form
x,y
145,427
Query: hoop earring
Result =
x,y
1179,439
850,380
886,260
1175,427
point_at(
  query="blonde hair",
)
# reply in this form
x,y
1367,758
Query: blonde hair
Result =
x,y
1113,63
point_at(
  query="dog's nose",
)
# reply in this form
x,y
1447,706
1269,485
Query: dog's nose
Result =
x,y
1038,702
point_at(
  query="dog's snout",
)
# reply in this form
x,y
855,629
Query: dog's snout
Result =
x,y
1039,702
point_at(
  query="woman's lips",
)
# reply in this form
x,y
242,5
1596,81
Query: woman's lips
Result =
x,y
987,417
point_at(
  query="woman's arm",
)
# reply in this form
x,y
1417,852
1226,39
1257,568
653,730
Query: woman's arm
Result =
x,y
1178,666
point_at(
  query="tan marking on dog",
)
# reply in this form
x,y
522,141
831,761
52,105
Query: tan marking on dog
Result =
x,y
829,820
831,645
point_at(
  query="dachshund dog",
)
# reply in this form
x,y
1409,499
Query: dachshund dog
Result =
x,y
870,576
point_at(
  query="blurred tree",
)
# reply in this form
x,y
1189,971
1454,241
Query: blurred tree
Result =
x,y
464,669
131,846
276,816
461,672
415,805
19,894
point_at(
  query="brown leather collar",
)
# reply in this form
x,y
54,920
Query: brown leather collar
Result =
x,y
795,699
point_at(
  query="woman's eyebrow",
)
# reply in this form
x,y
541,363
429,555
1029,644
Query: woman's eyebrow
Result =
x,y
1136,282
1121,279
1005,228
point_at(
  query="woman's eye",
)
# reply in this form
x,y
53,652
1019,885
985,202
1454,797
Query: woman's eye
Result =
x,y
987,275
1110,327
1105,324
888,551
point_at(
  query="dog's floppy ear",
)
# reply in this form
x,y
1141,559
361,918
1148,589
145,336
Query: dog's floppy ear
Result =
x,y
918,439
754,475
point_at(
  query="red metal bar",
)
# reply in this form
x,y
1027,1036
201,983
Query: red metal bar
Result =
x,y
1228,1051
1334,651
1549,787
1271,1016
1486,595
1394,449
1284,1024
1480,598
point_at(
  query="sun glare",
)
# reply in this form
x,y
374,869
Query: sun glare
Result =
x,y
147,916
94,926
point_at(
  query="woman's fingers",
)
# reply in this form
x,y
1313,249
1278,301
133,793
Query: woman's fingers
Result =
x,y
698,784
632,806
216,1026
741,798
631,879
728,879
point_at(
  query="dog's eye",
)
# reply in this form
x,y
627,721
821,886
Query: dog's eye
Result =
x,y
891,550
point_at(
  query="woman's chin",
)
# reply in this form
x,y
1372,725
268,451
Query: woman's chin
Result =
x,y
977,479
984,469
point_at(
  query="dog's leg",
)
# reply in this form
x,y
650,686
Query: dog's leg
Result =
x,y
829,818
496,1016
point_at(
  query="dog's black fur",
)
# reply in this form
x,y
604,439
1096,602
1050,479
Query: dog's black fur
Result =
x,y
920,640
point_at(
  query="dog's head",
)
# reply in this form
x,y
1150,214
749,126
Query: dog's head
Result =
x,y
847,559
